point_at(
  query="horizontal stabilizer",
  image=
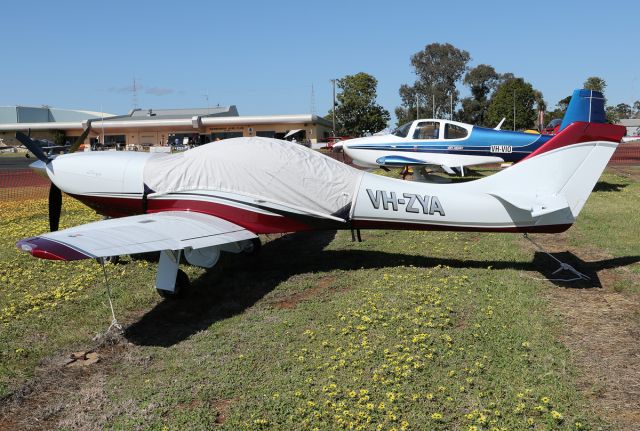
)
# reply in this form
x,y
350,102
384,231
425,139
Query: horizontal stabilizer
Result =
x,y
538,206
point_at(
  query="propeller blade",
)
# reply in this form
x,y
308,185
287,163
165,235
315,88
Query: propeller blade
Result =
x,y
33,146
80,139
55,207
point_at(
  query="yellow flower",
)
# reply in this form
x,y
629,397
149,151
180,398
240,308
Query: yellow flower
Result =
x,y
557,415
436,416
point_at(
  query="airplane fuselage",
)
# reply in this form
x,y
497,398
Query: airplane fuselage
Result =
x,y
113,184
442,143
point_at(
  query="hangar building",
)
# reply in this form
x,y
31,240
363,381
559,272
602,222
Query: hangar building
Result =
x,y
152,127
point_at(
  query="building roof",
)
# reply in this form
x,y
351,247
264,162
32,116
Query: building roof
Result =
x,y
178,118
44,114
630,122
214,111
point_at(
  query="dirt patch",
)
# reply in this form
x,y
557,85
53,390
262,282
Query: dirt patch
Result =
x,y
222,407
631,172
602,331
292,301
62,396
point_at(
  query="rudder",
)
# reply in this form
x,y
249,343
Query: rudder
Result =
x,y
586,106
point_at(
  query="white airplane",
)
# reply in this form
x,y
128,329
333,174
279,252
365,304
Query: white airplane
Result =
x,y
219,197
454,145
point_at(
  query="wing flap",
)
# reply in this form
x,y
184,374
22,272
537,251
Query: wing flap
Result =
x,y
172,230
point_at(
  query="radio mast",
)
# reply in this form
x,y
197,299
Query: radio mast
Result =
x,y
134,94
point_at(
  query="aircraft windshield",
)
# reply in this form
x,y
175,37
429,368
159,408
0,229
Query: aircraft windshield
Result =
x,y
402,131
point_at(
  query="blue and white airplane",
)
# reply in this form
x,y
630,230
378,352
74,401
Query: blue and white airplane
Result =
x,y
454,145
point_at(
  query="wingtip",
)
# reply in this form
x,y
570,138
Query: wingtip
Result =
x,y
51,250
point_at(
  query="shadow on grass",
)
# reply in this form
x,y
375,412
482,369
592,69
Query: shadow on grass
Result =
x,y
240,281
603,186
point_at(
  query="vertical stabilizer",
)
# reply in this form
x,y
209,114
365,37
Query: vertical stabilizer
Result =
x,y
586,106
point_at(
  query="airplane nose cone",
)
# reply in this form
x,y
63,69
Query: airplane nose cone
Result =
x,y
40,168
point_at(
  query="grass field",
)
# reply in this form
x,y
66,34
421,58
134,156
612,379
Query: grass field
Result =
x,y
404,331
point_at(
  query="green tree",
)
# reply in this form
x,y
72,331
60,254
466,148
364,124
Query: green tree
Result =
x,y
59,137
624,110
612,114
438,67
595,83
599,84
356,108
513,92
563,104
482,80
559,111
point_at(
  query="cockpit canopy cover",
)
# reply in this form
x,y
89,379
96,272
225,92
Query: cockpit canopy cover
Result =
x,y
265,169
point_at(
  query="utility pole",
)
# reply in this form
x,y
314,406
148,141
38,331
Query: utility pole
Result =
x,y
451,111
434,106
206,96
514,110
417,107
333,110
313,101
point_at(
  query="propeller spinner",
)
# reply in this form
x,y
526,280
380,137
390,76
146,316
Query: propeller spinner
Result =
x,y
55,194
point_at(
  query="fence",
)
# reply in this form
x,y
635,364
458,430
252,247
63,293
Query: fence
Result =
x,y
626,154
22,184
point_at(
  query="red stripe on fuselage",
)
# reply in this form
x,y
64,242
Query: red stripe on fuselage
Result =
x,y
254,221
264,223
110,206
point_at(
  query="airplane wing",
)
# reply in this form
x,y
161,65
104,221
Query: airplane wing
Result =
x,y
396,161
171,230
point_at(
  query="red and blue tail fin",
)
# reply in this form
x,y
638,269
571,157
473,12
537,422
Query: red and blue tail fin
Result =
x,y
585,106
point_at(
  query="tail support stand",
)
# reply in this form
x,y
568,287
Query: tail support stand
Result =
x,y
355,232
563,266
114,322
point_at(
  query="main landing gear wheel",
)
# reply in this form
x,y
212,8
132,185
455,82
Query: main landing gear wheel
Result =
x,y
253,248
182,286
108,259
112,259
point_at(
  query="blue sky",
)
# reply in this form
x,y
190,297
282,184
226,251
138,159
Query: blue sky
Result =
x,y
264,56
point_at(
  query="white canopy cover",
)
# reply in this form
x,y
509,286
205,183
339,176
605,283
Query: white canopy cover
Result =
x,y
271,170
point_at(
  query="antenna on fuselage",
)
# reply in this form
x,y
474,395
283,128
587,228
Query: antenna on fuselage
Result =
x,y
500,124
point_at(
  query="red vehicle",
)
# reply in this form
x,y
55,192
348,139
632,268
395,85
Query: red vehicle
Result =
x,y
552,127
332,140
